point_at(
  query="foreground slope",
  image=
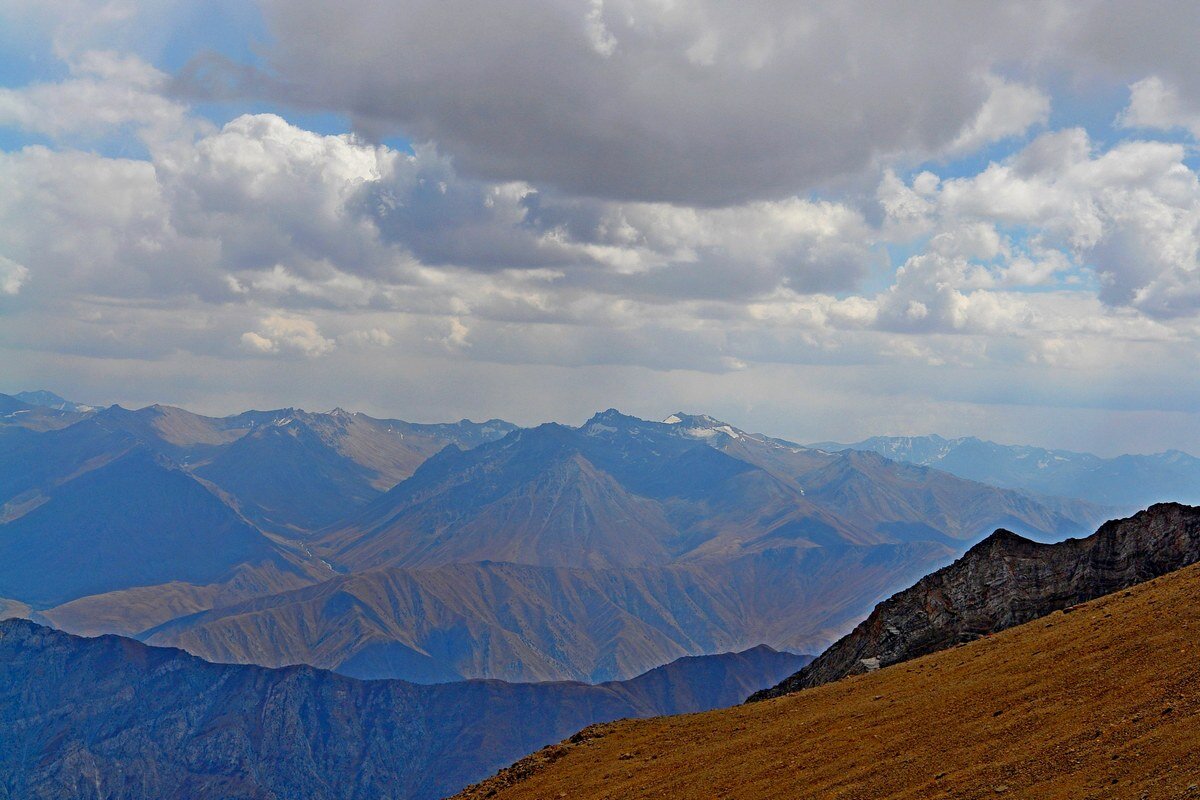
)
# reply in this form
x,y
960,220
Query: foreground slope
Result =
x,y
1099,703
1003,581
109,717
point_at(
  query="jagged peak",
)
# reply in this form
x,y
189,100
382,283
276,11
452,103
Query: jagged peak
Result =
x,y
613,415
608,421
999,539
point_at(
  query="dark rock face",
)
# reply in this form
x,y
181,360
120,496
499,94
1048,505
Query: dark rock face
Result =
x,y
112,718
1003,581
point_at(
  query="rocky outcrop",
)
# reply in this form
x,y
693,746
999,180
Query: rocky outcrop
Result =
x,y
110,717
1003,581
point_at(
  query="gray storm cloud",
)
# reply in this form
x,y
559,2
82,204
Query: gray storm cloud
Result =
x,y
704,102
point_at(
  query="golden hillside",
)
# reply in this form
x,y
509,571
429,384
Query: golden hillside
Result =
x,y
1102,702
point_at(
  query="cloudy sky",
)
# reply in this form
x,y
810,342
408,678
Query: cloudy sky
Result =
x,y
820,220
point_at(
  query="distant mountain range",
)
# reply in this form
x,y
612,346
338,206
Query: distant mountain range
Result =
x,y
624,492
381,548
18,413
50,400
109,717
1128,481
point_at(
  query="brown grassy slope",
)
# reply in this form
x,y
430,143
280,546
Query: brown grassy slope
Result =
x,y
1103,702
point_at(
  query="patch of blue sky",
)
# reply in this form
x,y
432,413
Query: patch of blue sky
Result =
x,y
972,164
1094,106
881,272
26,56
12,140
233,28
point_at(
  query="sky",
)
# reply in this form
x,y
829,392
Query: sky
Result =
x,y
819,220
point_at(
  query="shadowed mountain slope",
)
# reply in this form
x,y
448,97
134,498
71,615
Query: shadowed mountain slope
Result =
x,y
1101,703
286,470
295,471
285,478
113,718
131,522
1007,580
109,506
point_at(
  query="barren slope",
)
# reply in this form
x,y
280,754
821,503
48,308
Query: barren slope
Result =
x,y
1103,702
523,622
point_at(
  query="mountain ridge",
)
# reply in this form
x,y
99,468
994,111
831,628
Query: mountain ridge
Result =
x,y
114,717
525,622
693,484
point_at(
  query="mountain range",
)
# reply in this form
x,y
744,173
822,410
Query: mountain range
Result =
x,y
381,548
1127,481
110,717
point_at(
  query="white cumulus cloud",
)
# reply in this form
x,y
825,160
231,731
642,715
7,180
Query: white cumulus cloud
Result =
x,y
12,276
279,333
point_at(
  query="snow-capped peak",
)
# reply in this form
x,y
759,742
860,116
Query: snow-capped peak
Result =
x,y
702,426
